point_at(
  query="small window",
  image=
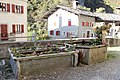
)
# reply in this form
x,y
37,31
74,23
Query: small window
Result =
x,y
51,32
64,33
87,23
88,34
83,23
92,35
92,24
69,22
83,35
54,24
17,9
17,28
57,33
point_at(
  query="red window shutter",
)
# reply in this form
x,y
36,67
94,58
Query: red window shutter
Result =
x,y
8,7
57,33
69,23
22,27
51,32
22,9
87,23
83,23
13,8
13,28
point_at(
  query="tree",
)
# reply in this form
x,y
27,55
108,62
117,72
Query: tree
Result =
x,y
101,32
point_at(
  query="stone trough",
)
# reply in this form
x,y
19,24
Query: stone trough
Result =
x,y
92,54
36,65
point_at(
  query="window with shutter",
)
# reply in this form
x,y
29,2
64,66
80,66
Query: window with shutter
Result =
x,y
83,23
22,28
13,8
69,22
13,28
8,7
87,23
22,9
57,33
51,32
4,7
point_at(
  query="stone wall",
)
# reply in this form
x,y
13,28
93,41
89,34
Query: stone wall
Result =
x,y
37,65
92,54
113,42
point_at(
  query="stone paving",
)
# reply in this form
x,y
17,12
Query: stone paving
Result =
x,y
108,70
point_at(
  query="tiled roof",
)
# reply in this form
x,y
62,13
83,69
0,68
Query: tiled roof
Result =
x,y
69,9
107,17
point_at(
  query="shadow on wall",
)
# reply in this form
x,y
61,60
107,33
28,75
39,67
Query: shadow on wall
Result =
x,y
94,4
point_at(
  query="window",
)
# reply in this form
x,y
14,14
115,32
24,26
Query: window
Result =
x,y
92,24
5,7
69,22
92,35
87,23
63,33
17,28
51,32
83,35
83,23
54,24
88,34
17,9
57,33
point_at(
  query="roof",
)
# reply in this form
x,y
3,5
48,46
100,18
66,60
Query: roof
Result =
x,y
107,17
69,9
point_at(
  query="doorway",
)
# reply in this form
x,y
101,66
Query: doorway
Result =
x,y
4,32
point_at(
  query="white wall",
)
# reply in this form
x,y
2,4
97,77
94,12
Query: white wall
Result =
x,y
10,18
65,16
74,22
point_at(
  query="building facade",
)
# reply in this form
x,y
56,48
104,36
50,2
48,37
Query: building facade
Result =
x,y
110,19
67,22
13,23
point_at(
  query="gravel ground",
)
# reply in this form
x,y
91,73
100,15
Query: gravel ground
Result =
x,y
108,70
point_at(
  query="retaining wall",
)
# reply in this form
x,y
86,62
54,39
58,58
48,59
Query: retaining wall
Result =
x,y
92,54
38,65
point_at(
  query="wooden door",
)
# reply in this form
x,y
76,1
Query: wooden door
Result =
x,y
4,32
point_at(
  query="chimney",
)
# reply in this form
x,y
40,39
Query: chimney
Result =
x,y
75,4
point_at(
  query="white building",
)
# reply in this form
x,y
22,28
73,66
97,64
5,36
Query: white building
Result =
x,y
13,23
111,19
65,22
